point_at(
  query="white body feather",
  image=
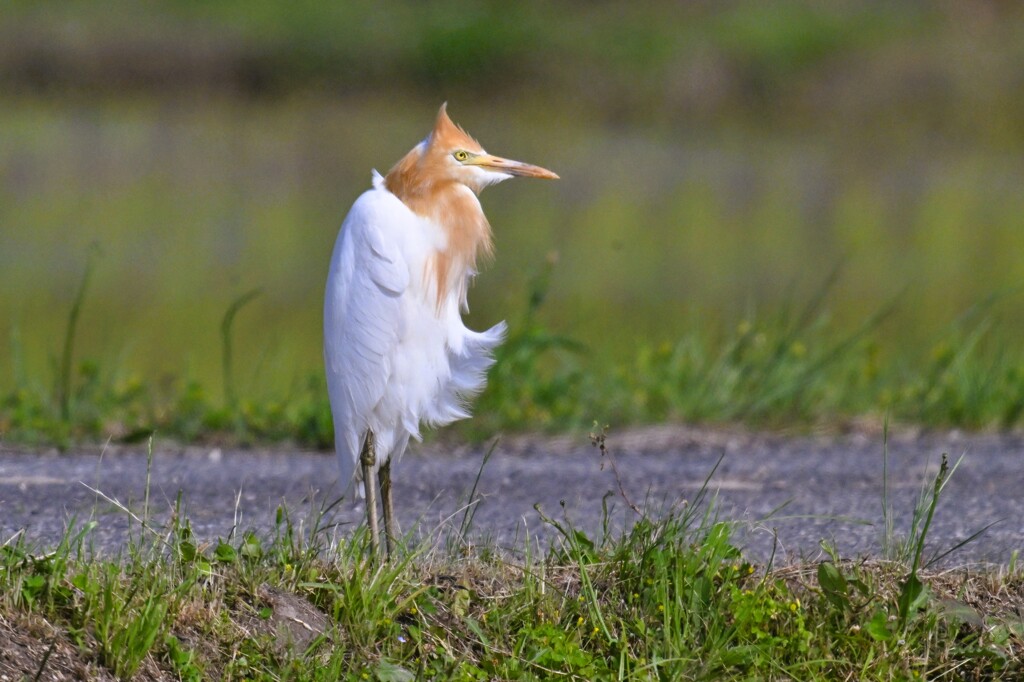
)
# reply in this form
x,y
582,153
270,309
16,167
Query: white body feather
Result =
x,y
394,357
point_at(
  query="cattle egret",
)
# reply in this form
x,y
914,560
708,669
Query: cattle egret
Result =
x,y
396,351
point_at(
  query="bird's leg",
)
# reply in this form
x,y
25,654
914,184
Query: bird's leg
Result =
x,y
390,531
368,458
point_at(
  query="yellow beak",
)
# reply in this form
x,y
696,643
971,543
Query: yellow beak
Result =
x,y
500,165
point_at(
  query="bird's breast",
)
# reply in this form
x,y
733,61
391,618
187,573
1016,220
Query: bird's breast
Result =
x,y
443,247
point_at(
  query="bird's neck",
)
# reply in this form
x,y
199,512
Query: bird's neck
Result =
x,y
456,210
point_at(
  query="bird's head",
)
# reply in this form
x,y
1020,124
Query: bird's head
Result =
x,y
449,154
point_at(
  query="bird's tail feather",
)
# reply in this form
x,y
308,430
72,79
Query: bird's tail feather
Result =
x,y
468,374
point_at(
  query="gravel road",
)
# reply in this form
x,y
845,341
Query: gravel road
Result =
x,y
826,487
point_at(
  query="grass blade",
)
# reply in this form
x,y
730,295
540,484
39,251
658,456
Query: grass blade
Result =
x,y
67,356
227,347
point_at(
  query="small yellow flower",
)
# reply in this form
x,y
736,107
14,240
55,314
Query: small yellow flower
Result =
x,y
595,631
579,621
661,607
413,611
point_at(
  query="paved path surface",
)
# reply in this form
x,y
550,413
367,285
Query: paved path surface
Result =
x,y
827,488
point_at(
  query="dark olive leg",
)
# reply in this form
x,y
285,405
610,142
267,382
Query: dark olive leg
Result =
x,y
390,529
368,460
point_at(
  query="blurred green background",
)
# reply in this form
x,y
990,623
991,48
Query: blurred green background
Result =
x,y
718,160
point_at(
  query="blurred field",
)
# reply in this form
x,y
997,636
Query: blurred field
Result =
x,y
718,163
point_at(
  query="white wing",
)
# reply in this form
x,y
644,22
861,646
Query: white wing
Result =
x,y
362,318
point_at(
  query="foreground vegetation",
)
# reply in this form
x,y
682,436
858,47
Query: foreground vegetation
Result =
x,y
670,599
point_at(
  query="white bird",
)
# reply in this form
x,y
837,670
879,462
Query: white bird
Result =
x,y
396,351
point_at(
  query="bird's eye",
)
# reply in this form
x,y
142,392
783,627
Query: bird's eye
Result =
x,y
461,155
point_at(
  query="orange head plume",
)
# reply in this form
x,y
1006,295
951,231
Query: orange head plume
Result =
x,y
432,180
449,154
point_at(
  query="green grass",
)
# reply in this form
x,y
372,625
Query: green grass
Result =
x,y
794,370
673,598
